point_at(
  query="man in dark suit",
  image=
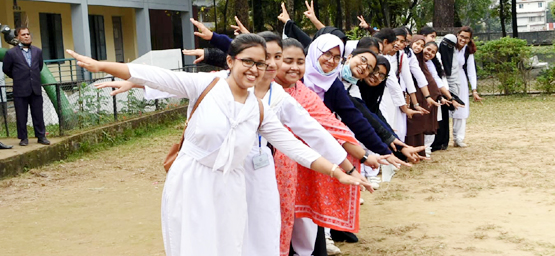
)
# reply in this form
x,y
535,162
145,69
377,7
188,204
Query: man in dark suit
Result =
x,y
23,64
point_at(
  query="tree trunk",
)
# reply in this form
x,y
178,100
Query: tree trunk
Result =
x,y
513,14
225,16
444,13
347,15
339,15
242,11
317,9
257,16
385,13
502,18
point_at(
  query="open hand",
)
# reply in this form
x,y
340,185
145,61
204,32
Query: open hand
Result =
x,y
85,62
121,86
203,31
199,53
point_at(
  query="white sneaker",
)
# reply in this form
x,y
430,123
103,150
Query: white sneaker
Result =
x,y
374,185
331,248
460,143
374,179
387,172
361,201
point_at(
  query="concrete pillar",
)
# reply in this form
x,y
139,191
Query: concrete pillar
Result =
x,y
188,36
142,23
81,34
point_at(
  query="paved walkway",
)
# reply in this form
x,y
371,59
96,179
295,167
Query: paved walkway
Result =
x,y
17,150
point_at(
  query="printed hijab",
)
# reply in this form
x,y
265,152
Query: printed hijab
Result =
x,y
313,78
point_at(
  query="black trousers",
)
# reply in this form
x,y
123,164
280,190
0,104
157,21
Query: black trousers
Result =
x,y
441,142
21,105
319,246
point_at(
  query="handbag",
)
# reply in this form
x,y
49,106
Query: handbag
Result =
x,y
175,148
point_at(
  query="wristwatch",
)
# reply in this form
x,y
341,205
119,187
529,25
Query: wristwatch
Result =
x,y
428,96
416,104
364,158
351,171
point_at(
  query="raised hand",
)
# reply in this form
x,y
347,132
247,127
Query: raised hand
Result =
x,y
363,23
309,13
284,16
203,31
239,28
199,53
85,62
121,86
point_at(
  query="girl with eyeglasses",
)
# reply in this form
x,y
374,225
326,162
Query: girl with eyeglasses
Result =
x,y
465,50
209,167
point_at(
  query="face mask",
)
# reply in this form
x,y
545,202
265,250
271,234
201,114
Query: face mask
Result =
x,y
347,74
321,70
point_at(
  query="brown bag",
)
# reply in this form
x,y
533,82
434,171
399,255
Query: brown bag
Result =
x,y
174,150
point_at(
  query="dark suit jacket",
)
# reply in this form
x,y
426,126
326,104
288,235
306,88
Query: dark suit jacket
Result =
x,y
26,80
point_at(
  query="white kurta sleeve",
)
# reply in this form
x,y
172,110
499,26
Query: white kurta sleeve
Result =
x,y
471,69
406,75
153,94
179,84
433,71
395,90
274,131
294,116
417,71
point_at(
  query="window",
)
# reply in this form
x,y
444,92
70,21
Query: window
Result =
x,y
51,36
98,37
532,19
540,4
520,6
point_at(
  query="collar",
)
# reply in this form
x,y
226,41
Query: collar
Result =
x,y
23,47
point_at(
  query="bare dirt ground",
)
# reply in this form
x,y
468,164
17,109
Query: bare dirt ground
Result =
x,y
495,197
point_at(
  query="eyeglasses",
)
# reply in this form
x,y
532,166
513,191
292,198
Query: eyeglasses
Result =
x,y
248,63
365,62
328,56
380,76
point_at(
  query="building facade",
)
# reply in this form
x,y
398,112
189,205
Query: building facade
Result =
x,y
532,15
112,30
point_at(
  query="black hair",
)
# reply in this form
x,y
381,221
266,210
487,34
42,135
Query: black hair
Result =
x,y
16,33
292,42
426,31
408,31
367,42
245,41
358,51
386,34
435,60
271,37
400,32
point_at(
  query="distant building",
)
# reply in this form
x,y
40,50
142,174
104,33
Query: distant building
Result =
x,y
113,30
532,15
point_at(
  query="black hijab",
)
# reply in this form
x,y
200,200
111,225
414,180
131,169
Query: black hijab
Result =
x,y
447,49
331,30
372,95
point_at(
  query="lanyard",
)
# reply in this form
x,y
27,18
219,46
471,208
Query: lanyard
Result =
x,y
260,137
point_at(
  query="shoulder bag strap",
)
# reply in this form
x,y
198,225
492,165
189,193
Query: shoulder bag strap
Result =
x,y
202,95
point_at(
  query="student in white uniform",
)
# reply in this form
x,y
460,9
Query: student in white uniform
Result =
x,y
204,208
464,50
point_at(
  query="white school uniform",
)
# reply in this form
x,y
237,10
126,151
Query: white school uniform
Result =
x,y
462,113
204,206
263,202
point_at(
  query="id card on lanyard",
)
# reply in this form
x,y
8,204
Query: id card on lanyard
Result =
x,y
261,160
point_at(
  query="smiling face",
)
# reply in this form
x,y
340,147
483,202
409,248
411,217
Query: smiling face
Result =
x,y
362,64
328,59
375,79
463,38
247,77
273,60
418,46
430,52
431,37
293,66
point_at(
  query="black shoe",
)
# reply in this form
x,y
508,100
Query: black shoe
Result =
x,y
24,142
4,146
43,141
343,236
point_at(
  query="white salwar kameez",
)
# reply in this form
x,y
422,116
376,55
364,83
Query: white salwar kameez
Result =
x,y
461,114
263,201
204,206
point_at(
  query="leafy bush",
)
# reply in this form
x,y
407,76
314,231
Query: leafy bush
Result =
x,y
506,59
356,33
546,80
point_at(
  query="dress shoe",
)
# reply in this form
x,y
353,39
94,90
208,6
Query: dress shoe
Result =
x,y
43,141
4,146
24,142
